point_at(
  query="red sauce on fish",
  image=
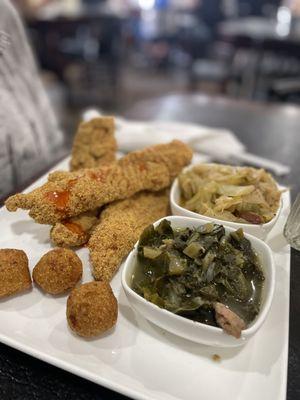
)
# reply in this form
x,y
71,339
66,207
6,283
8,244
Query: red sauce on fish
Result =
x,y
73,227
59,198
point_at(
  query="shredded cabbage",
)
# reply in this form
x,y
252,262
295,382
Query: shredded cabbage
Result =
x,y
238,194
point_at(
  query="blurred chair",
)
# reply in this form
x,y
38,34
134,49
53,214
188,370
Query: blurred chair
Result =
x,y
279,67
285,90
212,71
86,53
215,68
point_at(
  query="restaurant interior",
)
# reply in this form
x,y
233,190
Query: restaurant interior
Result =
x,y
230,65
111,54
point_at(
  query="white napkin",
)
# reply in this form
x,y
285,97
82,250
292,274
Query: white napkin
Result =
x,y
208,143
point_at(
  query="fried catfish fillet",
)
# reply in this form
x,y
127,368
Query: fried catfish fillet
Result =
x,y
75,231
120,226
73,193
94,144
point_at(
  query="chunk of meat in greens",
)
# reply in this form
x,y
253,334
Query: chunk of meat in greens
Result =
x,y
230,322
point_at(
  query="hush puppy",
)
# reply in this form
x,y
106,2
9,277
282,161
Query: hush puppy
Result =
x,y
92,309
57,271
14,272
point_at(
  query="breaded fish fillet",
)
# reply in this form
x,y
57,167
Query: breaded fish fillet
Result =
x,y
94,144
121,224
153,169
75,231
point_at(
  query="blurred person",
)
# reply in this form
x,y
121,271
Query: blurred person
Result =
x,y
29,134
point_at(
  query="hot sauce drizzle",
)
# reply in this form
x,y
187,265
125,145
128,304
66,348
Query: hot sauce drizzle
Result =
x,y
73,227
60,199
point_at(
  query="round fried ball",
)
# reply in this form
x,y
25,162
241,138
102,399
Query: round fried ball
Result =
x,y
92,309
58,271
14,272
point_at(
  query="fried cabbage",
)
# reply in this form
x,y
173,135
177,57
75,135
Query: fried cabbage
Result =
x,y
238,194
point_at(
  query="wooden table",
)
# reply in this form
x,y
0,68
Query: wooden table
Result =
x,y
271,131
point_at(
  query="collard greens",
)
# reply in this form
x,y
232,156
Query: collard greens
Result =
x,y
189,271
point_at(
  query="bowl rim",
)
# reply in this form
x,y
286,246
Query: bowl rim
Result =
x,y
175,188
246,333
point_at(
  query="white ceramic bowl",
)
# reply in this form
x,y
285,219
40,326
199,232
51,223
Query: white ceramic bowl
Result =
x,y
259,231
192,330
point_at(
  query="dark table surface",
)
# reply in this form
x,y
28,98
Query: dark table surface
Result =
x,y
271,131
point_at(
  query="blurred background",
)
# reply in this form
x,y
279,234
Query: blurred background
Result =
x,y
113,53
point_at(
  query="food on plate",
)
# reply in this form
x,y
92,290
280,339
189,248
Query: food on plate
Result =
x,y
94,144
14,272
75,231
238,194
120,226
58,271
153,169
229,321
216,357
92,309
202,274
174,156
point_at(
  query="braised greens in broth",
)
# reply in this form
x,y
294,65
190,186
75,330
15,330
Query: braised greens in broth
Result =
x,y
190,271
238,194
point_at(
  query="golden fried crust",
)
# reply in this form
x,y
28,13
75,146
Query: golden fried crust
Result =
x,y
14,272
74,231
92,309
59,200
58,271
121,224
174,155
149,169
94,144
68,235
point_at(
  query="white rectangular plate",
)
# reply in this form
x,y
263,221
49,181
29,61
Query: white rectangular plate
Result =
x,y
139,359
